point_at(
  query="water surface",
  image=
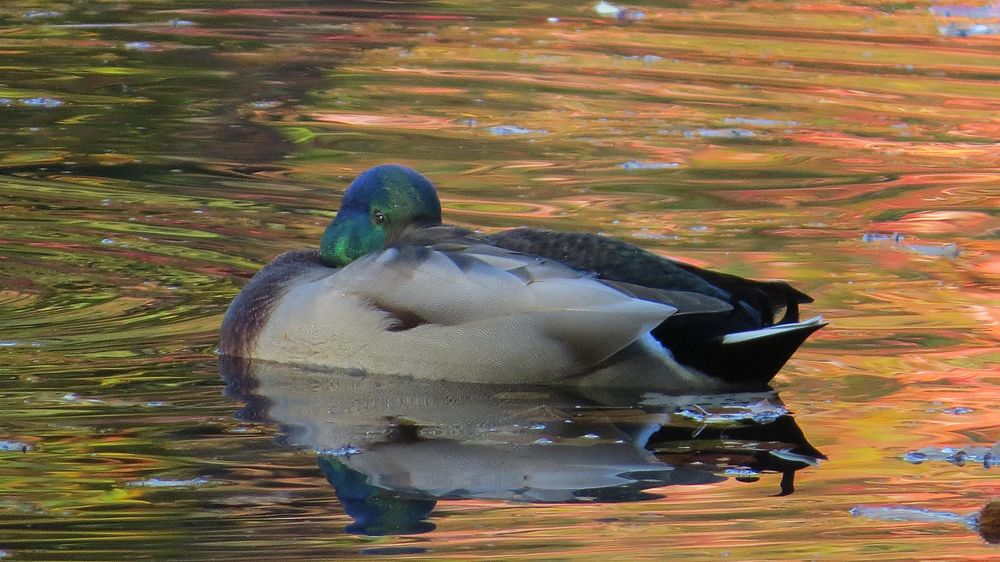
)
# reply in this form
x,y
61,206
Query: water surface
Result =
x,y
155,154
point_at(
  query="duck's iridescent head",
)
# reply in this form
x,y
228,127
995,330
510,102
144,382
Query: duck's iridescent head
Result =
x,y
378,205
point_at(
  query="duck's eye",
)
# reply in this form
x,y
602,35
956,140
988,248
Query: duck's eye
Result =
x,y
378,217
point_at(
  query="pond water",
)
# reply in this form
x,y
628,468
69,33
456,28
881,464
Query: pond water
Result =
x,y
154,154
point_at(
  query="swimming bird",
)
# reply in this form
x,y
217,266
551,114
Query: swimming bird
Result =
x,y
393,290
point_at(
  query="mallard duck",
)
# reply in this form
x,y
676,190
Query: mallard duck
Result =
x,y
392,290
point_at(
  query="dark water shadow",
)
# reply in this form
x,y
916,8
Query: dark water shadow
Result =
x,y
391,447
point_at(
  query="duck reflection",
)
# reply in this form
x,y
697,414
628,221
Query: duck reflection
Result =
x,y
392,446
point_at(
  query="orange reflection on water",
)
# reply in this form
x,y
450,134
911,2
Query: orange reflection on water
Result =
x,y
418,122
986,154
941,222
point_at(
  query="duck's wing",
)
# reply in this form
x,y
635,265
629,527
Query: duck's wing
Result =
x,y
735,329
483,282
620,261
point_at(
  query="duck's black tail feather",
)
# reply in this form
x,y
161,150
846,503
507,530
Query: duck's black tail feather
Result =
x,y
751,357
775,301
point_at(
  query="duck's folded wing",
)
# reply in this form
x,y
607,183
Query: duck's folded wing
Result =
x,y
615,260
485,294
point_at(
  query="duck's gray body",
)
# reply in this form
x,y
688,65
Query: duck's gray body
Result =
x,y
525,306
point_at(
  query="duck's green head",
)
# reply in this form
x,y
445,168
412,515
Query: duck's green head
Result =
x,y
378,205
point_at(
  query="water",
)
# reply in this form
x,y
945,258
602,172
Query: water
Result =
x,y
154,154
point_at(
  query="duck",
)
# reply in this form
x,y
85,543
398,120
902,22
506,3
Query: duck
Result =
x,y
393,290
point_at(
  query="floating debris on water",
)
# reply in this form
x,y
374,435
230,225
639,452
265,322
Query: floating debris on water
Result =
x,y
647,59
157,483
14,446
620,13
895,237
637,165
986,522
543,441
107,241
138,46
265,104
955,30
506,130
989,457
646,234
74,397
958,410
914,514
897,241
762,412
345,451
606,9
39,14
723,133
42,102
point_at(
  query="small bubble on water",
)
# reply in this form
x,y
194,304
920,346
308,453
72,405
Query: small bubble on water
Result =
x,y
637,165
507,130
958,410
138,46
38,14
543,441
107,241
14,446
265,104
157,483
42,102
